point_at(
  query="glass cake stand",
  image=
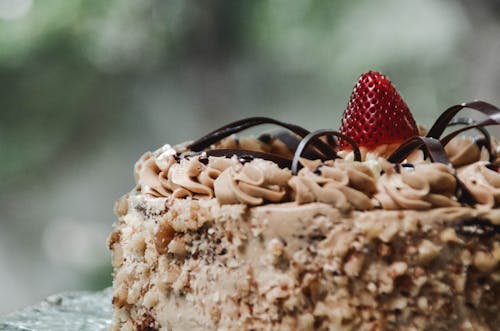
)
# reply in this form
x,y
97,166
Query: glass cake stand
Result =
x,y
83,311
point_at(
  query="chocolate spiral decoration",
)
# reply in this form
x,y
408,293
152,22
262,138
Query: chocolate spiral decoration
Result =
x,y
493,120
237,126
247,156
292,142
470,121
435,151
483,142
431,146
316,134
434,146
442,122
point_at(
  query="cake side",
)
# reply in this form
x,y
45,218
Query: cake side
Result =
x,y
189,264
381,225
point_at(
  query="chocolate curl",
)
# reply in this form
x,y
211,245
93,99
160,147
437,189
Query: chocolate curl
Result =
x,y
483,107
312,136
486,141
493,120
432,147
246,156
292,141
246,123
435,151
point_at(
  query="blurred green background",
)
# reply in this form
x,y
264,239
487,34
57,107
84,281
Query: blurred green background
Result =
x,y
86,86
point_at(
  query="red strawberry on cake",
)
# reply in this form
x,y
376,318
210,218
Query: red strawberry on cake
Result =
x,y
236,238
376,115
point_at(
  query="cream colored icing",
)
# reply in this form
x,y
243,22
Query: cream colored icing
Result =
x,y
341,185
252,183
382,151
463,151
164,176
424,186
482,182
301,267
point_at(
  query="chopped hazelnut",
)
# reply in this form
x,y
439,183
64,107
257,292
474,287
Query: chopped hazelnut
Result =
x,y
427,251
485,262
449,235
384,249
163,236
121,206
397,269
354,264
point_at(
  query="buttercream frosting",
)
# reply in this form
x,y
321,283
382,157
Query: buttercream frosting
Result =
x,y
252,183
483,182
341,185
464,151
165,176
422,186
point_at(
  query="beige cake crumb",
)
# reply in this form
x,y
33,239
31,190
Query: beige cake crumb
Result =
x,y
204,279
208,243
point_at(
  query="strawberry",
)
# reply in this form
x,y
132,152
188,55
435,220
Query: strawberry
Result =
x,y
376,114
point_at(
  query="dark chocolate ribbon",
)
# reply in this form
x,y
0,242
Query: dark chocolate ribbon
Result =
x,y
292,141
483,107
246,156
246,123
435,151
431,147
484,142
316,134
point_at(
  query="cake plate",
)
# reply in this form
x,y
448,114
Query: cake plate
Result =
x,y
83,311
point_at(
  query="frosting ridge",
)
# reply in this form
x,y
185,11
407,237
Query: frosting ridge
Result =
x,y
252,183
343,185
483,182
463,151
419,187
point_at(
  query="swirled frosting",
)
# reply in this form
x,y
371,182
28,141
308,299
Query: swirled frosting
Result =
x,y
382,151
162,175
464,151
252,183
483,182
420,187
342,184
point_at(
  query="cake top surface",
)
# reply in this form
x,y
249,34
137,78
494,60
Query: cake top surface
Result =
x,y
379,159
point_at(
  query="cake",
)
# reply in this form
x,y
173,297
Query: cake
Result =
x,y
380,226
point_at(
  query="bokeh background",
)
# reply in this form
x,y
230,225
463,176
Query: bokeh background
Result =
x,y
86,86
